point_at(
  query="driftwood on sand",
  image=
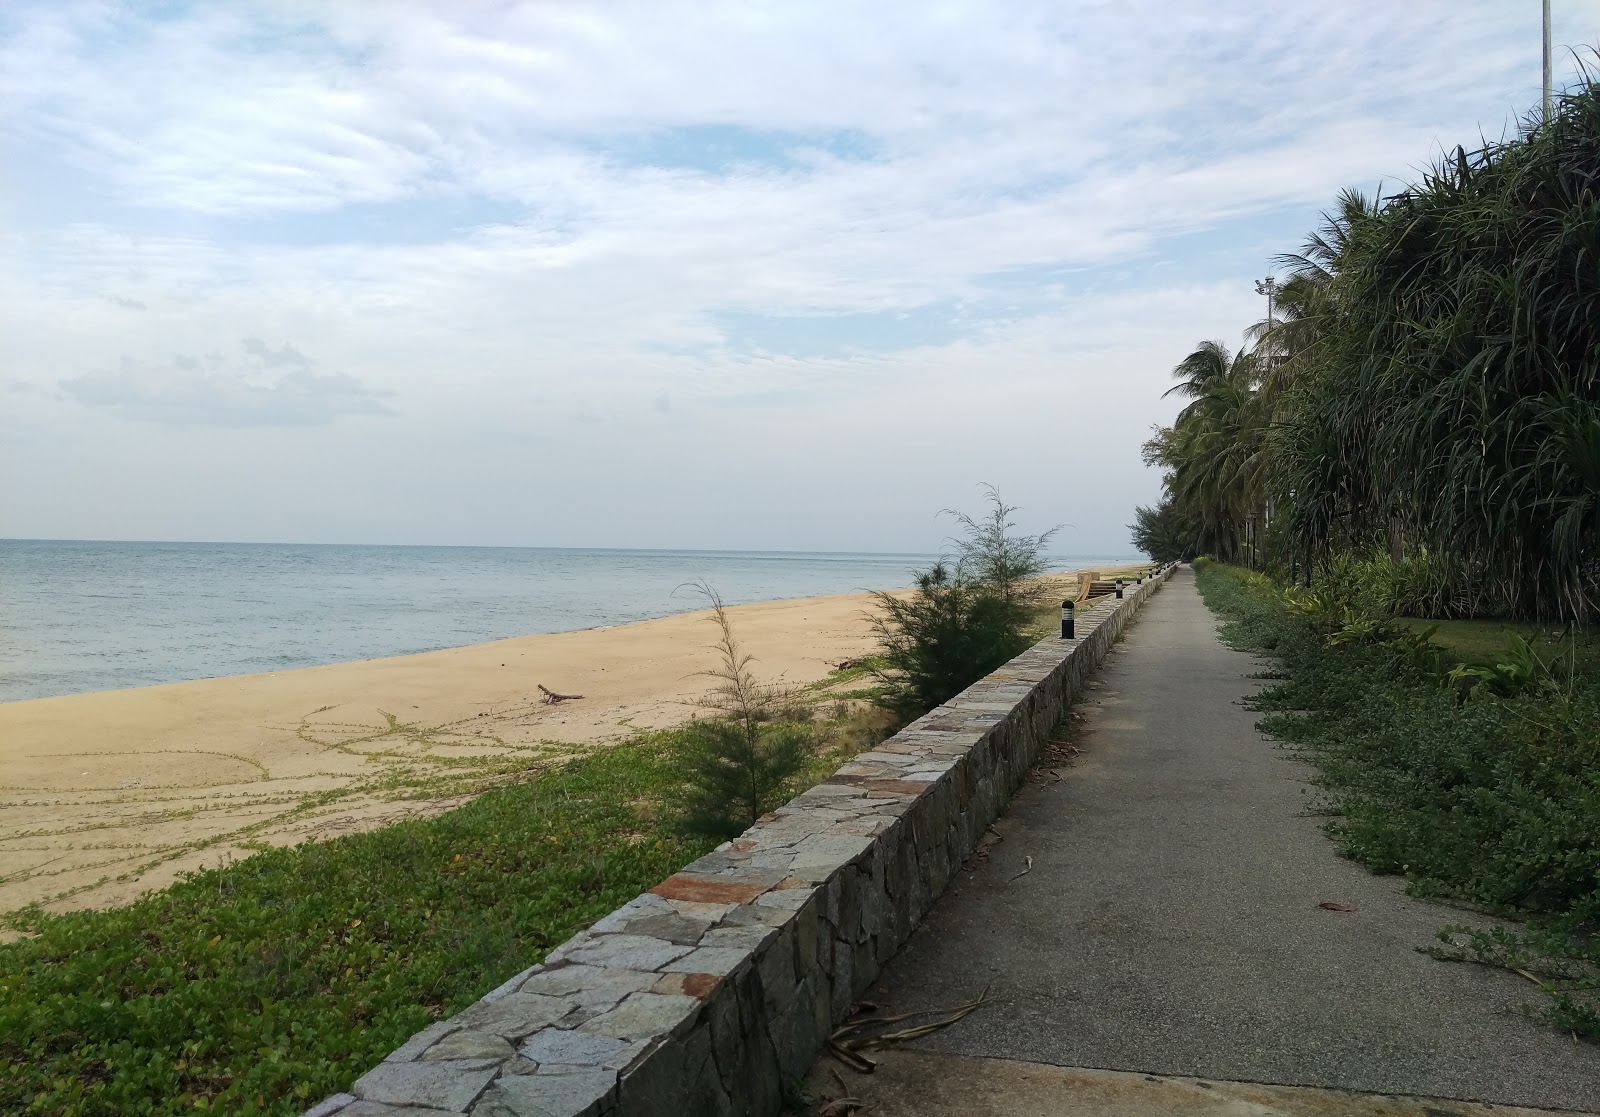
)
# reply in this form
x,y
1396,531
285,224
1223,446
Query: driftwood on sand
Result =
x,y
551,697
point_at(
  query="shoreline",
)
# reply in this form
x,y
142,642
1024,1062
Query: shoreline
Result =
x,y
407,655
107,794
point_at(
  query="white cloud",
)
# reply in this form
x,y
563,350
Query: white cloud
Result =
x,y
522,266
262,387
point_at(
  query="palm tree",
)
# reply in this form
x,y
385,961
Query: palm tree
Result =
x,y
1215,453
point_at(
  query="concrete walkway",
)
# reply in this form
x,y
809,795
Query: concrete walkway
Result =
x,y
1170,924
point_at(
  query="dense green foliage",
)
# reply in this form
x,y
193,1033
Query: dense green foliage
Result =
x,y
1160,533
1427,388
1477,781
262,986
962,620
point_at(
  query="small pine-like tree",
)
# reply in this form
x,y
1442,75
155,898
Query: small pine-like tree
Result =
x,y
993,557
740,763
961,621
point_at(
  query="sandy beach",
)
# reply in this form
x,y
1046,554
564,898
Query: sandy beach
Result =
x,y
106,795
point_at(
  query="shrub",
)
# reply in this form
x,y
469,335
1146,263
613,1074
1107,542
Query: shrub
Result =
x,y
735,772
743,762
962,620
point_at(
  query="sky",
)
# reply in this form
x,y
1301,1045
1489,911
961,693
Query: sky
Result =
x,y
757,276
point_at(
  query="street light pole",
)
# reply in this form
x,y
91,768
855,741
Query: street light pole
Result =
x,y
1548,98
1268,287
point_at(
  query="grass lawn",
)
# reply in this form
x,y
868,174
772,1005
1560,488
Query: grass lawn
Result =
x,y
1486,641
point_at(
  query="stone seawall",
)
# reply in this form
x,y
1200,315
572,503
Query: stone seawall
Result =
x,y
708,993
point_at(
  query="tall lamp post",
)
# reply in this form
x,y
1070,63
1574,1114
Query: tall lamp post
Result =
x,y
1548,98
1270,288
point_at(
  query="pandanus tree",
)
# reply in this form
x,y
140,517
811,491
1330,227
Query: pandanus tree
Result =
x,y
1454,402
1430,385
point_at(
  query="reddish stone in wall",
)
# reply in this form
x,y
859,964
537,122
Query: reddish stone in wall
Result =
x,y
708,890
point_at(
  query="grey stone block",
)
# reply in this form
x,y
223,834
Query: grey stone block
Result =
x,y
470,1044
629,952
645,904
670,927
571,1048
384,1109
585,1093
719,960
747,937
646,1016
597,987
452,1085
677,1079
413,1048
520,1014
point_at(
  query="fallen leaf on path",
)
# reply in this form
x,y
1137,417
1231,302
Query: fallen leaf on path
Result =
x,y
1333,905
847,1048
1026,868
841,1107
851,1058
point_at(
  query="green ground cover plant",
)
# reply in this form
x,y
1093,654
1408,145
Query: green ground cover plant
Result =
x,y
1483,794
262,986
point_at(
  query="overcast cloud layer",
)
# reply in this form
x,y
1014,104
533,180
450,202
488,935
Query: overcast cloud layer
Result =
x,y
747,275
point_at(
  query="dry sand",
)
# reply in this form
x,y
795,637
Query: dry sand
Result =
x,y
106,795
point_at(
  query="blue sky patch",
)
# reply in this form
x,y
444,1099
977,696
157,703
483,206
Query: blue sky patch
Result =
x,y
724,148
842,335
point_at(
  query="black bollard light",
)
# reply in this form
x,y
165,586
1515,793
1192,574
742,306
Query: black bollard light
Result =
x,y
1139,580
1119,589
1066,621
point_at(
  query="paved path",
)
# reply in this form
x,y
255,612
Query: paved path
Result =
x,y
1170,925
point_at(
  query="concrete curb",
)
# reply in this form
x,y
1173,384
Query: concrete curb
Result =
x,y
716,989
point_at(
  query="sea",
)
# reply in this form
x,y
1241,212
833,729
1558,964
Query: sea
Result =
x,y
84,616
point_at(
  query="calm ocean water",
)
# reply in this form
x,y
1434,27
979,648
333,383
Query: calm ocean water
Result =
x,y
79,616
